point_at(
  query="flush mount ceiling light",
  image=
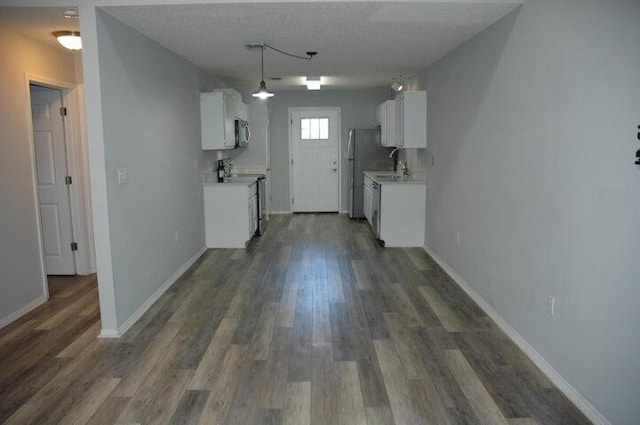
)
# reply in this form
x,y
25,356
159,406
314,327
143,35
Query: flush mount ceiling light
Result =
x,y
262,92
313,83
69,39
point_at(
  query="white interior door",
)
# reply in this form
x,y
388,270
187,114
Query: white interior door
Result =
x,y
51,171
315,165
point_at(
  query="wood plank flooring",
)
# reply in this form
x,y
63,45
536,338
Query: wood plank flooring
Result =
x,y
312,324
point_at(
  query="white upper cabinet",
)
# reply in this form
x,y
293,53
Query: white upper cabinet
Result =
x,y
218,112
242,110
411,119
386,117
217,124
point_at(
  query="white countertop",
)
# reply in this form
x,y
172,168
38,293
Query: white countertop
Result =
x,y
212,180
391,177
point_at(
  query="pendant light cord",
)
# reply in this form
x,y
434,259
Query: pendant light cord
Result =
x,y
262,62
309,56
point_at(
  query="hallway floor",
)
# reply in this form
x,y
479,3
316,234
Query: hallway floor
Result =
x,y
313,323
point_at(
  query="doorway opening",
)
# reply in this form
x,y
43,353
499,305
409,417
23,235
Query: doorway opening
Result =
x,y
60,181
53,180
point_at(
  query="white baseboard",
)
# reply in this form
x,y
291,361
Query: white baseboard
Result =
x,y
108,333
5,321
117,333
554,376
289,212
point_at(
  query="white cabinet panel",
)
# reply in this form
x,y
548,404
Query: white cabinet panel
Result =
x,y
217,121
230,214
402,214
242,111
411,119
367,202
386,114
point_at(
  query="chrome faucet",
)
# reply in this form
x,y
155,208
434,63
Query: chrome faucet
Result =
x,y
405,168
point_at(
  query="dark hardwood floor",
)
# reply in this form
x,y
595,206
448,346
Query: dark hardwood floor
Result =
x,y
314,323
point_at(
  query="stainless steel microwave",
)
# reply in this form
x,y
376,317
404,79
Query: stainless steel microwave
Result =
x,y
243,134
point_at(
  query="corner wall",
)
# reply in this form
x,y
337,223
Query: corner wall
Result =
x,y
151,126
21,280
533,126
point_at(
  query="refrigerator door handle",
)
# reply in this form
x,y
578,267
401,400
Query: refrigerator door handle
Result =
x,y
349,154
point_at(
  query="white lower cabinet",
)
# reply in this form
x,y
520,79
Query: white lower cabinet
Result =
x,y
402,214
230,214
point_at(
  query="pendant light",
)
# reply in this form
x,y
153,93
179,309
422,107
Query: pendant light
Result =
x,y
262,92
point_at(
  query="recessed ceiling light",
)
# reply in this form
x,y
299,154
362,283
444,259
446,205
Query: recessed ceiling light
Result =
x,y
313,83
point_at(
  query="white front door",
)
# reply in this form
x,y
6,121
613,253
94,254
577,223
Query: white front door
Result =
x,y
315,162
51,170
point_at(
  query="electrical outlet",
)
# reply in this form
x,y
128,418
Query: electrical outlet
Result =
x,y
123,176
176,235
551,305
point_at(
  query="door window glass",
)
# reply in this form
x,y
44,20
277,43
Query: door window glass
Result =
x,y
314,128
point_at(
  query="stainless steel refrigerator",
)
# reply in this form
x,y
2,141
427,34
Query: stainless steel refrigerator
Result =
x,y
365,154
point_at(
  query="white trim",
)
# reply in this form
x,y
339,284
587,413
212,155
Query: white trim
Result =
x,y
280,212
554,376
22,311
338,111
77,167
117,333
83,162
34,188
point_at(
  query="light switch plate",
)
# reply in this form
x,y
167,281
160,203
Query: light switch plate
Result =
x,y
122,176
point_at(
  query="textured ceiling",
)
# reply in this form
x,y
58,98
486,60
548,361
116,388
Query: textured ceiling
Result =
x,y
359,44
37,22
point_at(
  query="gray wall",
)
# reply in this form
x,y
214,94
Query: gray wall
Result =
x,y
358,111
533,128
21,278
151,122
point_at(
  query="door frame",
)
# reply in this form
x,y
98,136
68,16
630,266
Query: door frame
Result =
x,y
77,167
338,111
